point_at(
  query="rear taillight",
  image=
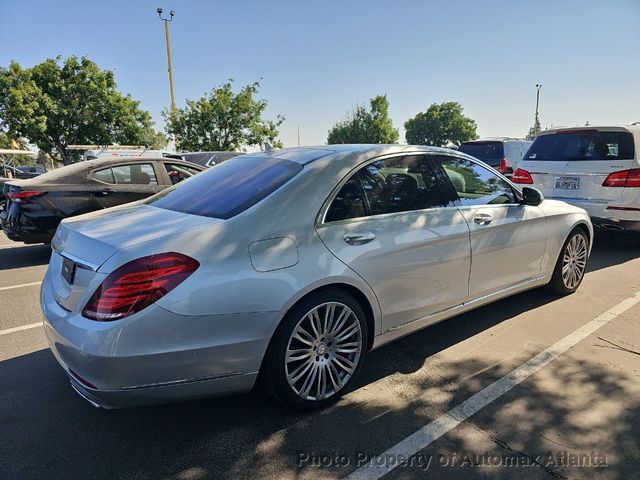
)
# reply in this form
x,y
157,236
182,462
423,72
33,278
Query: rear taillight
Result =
x,y
503,167
137,284
22,196
521,176
623,178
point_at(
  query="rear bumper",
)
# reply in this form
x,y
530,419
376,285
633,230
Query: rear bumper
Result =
x,y
18,228
606,218
156,356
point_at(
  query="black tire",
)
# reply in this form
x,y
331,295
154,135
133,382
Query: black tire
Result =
x,y
558,284
274,372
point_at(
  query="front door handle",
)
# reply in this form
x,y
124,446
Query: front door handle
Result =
x,y
359,238
483,219
104,193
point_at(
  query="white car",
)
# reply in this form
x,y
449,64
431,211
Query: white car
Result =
x,y
502,153
290,266
595,168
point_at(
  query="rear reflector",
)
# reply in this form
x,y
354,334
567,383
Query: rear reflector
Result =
x,y
137,284
23,196
521,176
623,178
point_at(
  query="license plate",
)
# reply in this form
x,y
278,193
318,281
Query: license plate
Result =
x,y
568,183
68,270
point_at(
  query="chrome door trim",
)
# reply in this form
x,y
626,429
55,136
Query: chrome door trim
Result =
x,y
461,306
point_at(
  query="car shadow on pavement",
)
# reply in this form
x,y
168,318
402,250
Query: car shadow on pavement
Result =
x,y
24,256
613,248
51,428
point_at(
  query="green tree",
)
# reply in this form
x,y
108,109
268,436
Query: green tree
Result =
x,y
60,103
441,125
366,126
223,120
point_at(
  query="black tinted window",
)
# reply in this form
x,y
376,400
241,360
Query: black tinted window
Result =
x,y
582,145
488,151
475,184
228,188
178,172
397,184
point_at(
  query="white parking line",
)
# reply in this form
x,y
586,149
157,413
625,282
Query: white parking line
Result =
x,y
19,329
11,287
419,440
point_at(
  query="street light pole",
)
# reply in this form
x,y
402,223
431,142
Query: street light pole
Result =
x,y
168,41
536,122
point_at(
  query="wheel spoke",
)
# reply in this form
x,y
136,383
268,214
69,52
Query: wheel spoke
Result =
x,y
297,355
299,372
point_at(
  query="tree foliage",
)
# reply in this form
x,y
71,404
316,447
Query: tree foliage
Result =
x,y
441,125
59,103
223,120
366,126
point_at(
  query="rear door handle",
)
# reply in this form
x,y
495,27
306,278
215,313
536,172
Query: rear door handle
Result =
x,y
104,193
359,238
483,219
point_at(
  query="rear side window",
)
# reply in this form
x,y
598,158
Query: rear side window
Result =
x,y
229,188
134,174
582,145
488,151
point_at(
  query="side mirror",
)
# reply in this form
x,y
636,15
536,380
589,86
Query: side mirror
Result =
x,y
532,196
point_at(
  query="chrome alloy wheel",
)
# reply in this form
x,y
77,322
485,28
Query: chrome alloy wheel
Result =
x,y
574,261
323,351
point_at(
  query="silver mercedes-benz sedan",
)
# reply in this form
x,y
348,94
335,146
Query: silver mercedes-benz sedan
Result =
x,y
289,266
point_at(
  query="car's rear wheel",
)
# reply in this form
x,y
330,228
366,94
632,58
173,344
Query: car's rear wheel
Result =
x,y
571,264
318,350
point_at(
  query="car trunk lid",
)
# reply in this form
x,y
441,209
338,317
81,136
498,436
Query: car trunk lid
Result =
x,y
83,244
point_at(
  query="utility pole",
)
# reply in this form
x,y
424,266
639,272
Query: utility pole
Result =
x,y
168,41
536,122
298,135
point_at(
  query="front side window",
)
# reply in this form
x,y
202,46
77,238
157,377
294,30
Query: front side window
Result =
x,y
475,184
228,188
391,185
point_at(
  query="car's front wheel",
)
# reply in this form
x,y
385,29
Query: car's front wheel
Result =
x,y
318,350
571,264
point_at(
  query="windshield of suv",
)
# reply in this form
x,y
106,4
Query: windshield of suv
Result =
x,y
572,145
228,188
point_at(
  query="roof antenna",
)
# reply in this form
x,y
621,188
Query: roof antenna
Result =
x,y
267,147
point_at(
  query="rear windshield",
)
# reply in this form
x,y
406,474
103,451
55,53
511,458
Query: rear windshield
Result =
x,y
483,150
582,145
229,188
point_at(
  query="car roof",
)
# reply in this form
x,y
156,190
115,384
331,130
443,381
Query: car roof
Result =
x,y
633,128
497,139
306,155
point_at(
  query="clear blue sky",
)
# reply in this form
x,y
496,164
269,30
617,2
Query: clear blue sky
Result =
x,y
317,58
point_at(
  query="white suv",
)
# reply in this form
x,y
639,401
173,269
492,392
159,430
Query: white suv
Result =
x,y
595,168
502,153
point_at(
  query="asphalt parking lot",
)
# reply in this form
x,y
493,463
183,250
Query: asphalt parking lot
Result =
x,y
575,415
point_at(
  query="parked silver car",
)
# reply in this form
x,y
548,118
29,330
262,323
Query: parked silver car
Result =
x,y
290,266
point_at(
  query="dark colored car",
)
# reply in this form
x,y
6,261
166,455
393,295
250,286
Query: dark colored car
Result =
x,y
30,169
208,159
35,207
9,173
